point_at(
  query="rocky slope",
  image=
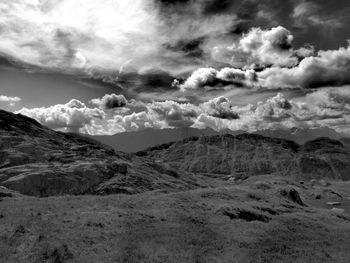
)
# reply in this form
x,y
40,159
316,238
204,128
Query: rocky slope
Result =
x,y
245,155
35,160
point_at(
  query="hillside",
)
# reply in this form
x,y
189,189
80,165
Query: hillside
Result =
x,y
263,220
65,198
245,155
35,160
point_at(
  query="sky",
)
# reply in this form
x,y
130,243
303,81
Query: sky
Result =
x,y
110,66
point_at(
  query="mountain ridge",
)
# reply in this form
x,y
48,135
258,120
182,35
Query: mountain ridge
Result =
x,y
35,160
251,154
141,140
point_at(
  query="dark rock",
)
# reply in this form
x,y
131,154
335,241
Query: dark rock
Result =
x,y
292,195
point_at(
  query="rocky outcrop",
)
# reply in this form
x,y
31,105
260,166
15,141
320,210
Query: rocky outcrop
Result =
x,y
45,179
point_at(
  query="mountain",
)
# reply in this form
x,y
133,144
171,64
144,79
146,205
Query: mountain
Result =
x,y
35,160
301,136
141,140
345,141
245,155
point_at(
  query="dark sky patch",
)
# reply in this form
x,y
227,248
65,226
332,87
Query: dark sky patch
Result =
x,y
211,7
172,2
190,47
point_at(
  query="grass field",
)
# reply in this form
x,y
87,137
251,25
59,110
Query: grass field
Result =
x,y
250,222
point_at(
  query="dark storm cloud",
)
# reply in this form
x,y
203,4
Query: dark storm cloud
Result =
x,y
169,3
7,62
132,82
245,13
217,6
10,62
155,81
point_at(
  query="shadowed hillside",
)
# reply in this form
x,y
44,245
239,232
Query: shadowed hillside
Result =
x,y
35,160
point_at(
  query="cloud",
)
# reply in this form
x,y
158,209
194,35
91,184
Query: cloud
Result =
x,y
11,100
307,13
71,116
312,111
110,101
220,108
328,68
138,37
53,34
135,121
323,69
275,65
174,113
274,109
274,113
75,116
329,107
210,79
174,36
260,47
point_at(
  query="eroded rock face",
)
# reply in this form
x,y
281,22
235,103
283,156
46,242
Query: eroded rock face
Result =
x,y
247,154
241,155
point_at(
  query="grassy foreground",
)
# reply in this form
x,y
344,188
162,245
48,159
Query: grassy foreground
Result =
x,y
259,221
